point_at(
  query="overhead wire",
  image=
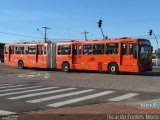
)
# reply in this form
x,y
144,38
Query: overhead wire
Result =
x,y
65,39
20,35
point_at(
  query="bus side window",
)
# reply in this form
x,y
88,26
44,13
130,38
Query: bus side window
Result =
x,y
132,48
111,49
40,50
32,50
26,50
59,50
79,50
44,50
75,52
22,50
64,50
6,50
18,51
124,49
87,49
12,50
98,49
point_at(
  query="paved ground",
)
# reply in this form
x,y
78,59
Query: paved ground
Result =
x,y
36,89
111,111
28,97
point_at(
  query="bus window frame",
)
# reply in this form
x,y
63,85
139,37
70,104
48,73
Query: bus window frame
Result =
x,y
70,52
88,51
78,50
6,49
40,50
106,44
12,50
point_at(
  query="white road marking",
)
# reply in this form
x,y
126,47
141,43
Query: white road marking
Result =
x,y
4,84
26,91
58,104
60,96
12,86
31,75
119,98
18,89
40,93
20,76
4,113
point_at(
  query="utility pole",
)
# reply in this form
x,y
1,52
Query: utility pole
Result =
x,y
85,34
45,35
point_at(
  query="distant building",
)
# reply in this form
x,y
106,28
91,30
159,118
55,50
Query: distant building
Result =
x,y
156,58
2,52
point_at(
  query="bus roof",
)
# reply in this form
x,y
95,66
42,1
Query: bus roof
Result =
x,y
26,43
102,41
124,39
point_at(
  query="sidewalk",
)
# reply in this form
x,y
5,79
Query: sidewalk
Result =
x,y
104,111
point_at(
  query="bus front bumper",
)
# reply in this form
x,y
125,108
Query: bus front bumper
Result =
x,y
144,68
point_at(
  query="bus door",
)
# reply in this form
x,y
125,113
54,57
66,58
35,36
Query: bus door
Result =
x,y
7,55
11,53
132,53
125,57
41,58
77,56
87,60
128,61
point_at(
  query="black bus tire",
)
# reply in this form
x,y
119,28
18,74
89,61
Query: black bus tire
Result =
x,y
113,68
65,67
20,64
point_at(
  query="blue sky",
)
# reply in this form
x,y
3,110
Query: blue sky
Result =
x,y
68,18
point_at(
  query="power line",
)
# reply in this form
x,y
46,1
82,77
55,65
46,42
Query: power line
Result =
x,y
143,36
41,33
20,35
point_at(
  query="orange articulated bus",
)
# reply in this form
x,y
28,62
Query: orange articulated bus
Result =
x,y
116,55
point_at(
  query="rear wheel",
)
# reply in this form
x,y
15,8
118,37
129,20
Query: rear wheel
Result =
x,y
113,68
20,65
65,67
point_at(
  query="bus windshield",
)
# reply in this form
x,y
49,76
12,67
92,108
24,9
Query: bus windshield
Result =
x,y
145,52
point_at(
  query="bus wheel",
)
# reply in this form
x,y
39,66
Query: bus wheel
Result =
x,y
113,68
20,64
65,67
